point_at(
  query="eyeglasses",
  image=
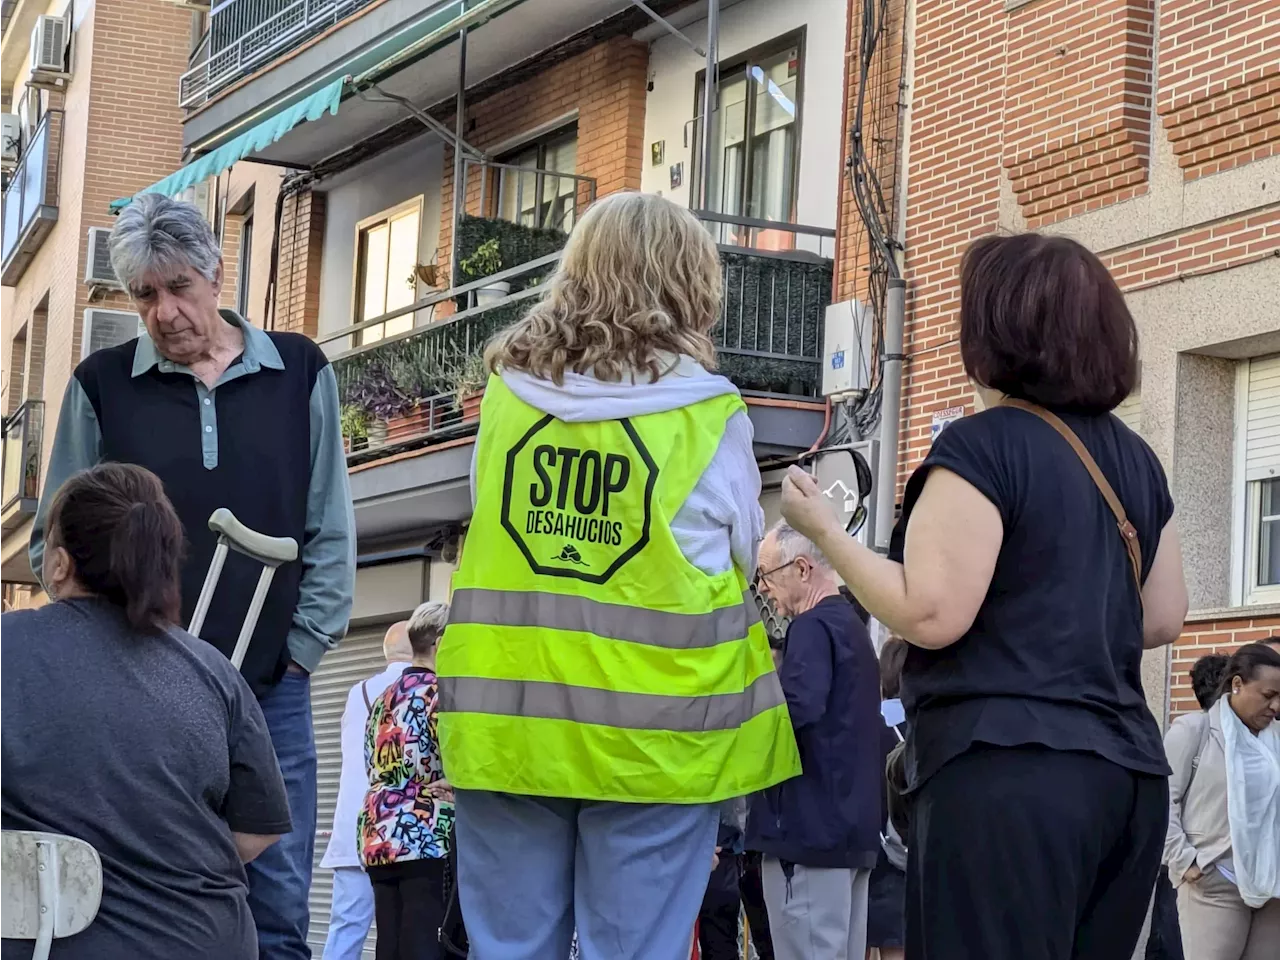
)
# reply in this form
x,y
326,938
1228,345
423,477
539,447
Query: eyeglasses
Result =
x,y
765,574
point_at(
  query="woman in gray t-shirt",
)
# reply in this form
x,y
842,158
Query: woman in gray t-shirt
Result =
x,y
122,730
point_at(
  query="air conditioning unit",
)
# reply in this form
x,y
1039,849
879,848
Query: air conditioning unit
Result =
x,y
10,137
49,45
97,263
108,328
846,351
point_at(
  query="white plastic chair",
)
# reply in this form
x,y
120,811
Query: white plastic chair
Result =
x,y
50,887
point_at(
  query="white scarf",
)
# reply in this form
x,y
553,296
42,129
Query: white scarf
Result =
x,y
1253,806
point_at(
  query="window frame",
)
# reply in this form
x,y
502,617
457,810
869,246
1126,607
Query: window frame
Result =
x,y
243,263
540,142
1246,509
1257,593
795,38
418,204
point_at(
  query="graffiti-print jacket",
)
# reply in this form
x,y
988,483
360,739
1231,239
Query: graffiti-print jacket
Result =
x,y
400,820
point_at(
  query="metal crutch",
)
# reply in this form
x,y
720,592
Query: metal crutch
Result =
x,y
271,552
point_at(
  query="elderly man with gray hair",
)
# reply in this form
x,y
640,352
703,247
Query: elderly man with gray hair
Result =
x,y
228,415
820,833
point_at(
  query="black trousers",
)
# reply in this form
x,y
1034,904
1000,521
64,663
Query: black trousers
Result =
x,y
718,918
1027,853
751,886
408,906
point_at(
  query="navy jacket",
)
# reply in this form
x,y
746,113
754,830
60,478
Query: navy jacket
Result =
x,y
831,815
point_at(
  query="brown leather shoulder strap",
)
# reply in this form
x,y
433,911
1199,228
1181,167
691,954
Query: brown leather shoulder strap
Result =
x,y
1127,529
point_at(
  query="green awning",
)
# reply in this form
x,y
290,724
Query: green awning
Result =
x,y
257,138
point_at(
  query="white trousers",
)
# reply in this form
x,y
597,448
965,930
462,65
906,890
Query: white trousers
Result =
x,y
350,916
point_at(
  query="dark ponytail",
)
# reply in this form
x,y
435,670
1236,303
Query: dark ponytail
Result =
x,y
124,540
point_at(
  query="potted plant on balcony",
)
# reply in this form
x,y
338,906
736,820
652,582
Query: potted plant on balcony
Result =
x,y
375,393
485,261
419,379
468,386
355,428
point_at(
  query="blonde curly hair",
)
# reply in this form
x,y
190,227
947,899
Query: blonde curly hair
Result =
x,y
639,276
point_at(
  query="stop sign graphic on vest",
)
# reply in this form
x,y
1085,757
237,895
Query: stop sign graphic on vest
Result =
x,y
578,511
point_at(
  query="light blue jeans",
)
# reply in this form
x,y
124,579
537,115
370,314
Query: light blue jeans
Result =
x,y
350,916
629,876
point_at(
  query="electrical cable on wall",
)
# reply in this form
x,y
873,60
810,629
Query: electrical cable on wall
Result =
x,y
873,158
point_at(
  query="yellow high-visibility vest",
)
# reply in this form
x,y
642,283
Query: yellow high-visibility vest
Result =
x,y
585,657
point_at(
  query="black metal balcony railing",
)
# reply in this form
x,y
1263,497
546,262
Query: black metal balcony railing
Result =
x,y
772,315
409,389
546,199
23,434
31,199
511,215
244,34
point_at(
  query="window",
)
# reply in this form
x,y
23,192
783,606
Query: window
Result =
x,y
538,198
1267,563
1258,459
386,261
755,143
244,263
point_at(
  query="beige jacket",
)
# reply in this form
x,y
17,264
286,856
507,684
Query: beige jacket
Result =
x,y
1199,831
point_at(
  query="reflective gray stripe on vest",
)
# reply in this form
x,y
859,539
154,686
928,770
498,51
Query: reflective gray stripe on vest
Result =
x,y
614,621
635,711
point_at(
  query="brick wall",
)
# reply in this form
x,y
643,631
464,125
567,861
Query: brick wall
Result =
x,y
37,337
1219,84
1077,104
231,232
605,85
1212,636
140,48
1230,242
297,298
880,126
1055,96
14,369
953,194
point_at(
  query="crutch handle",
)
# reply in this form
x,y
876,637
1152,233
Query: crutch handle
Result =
x,y
271,551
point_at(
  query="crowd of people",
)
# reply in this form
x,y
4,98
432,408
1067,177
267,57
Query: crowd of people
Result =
x,y
593,747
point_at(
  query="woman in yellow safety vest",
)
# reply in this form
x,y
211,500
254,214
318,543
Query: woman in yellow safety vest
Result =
x,y
604,679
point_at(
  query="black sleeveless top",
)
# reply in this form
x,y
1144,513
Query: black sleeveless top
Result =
x,y
1054,656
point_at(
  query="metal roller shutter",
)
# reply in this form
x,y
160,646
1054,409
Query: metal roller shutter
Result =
x,y
1262,424
1130,411
358,657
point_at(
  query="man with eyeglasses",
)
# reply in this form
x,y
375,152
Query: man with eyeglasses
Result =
x,y
820,833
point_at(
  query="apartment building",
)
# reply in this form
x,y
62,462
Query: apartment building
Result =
x,y
433,159
1150,132
87,89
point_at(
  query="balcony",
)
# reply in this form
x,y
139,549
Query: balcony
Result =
x,y
261,57
30,205
23,436
422,387
244,34
777,287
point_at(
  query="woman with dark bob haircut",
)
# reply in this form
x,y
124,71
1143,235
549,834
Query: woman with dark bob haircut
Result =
x,y
124,731
1035,771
